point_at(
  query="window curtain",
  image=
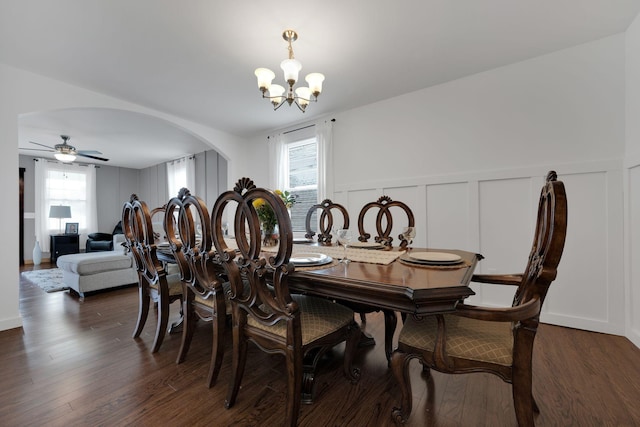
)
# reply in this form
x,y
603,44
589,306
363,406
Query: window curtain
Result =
x,y
324,137
69,185
181,173
277,156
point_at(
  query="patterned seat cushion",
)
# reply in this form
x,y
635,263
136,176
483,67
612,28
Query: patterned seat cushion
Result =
x,y
175,285
466,338
209,301
318,317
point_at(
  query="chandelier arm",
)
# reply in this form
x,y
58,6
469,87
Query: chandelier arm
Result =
x,y
298,105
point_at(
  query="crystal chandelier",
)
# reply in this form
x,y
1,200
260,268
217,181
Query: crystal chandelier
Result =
x,y
302,95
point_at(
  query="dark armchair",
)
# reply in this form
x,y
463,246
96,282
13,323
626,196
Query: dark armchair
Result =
x,y
97,242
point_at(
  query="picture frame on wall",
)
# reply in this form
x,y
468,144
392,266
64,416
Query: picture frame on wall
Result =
x,y
71,228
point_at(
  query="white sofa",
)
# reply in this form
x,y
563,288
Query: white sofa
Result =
x,y
93,271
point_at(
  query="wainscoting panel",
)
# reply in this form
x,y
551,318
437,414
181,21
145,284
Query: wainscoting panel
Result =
x,y
581,286
448,216
506,223
494,213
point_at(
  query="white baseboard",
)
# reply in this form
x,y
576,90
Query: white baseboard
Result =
x,y
582,323
12,323
634,337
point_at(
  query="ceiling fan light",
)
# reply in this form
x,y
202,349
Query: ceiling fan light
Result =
x,y
265,77
291,68
315,83
64,157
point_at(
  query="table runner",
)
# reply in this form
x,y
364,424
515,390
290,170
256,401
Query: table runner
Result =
x,y
370,256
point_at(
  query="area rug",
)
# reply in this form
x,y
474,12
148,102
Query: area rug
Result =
x,y
50,280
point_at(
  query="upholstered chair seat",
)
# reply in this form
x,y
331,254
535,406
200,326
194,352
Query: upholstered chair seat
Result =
x,y
175,285
197,299
472,339
319,317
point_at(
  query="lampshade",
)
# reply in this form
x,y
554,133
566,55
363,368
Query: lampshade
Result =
x,y
304,94
291,67
265,77
276,92
60,212
315,83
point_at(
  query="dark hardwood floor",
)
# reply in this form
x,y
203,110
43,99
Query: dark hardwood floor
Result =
x,y
75,364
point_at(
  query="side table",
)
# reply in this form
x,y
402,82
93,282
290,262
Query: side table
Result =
x,y
63,244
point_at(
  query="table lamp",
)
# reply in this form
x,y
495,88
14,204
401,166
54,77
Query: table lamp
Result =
x,y
60,212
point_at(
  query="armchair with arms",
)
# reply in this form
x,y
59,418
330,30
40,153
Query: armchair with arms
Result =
x,y
494,340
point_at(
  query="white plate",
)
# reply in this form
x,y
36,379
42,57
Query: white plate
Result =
x,y
306,259
439,257
366,245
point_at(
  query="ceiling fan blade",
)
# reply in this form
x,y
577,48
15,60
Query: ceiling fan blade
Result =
x,y
42,145
92,157
92,152
38,149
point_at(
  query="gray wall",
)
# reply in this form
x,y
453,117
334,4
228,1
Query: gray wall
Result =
x,y
211,180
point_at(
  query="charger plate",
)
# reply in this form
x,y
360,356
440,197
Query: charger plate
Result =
x,y
310,259
438,258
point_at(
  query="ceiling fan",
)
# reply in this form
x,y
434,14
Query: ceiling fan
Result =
x,y
67,153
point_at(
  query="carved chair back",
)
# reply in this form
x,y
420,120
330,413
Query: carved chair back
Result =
x,y
548,244
325,221
384,220
266,302
188,228
140,240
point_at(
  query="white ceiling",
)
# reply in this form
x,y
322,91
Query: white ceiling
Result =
x,y
195,59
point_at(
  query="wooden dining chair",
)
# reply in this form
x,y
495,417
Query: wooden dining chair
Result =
x,y
187,226
153,281
494,340
384,221
300,327
325,221
384,226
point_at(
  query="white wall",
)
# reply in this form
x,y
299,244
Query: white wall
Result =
x,y
24,92
632,181
470,156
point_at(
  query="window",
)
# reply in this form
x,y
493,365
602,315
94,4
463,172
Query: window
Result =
x,y
67,185
301,178
302,160
180,173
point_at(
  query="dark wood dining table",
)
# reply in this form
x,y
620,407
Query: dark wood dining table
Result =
x,y
399,286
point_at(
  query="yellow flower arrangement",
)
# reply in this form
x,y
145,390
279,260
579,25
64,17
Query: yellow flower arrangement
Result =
x,y
288,198
265,213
